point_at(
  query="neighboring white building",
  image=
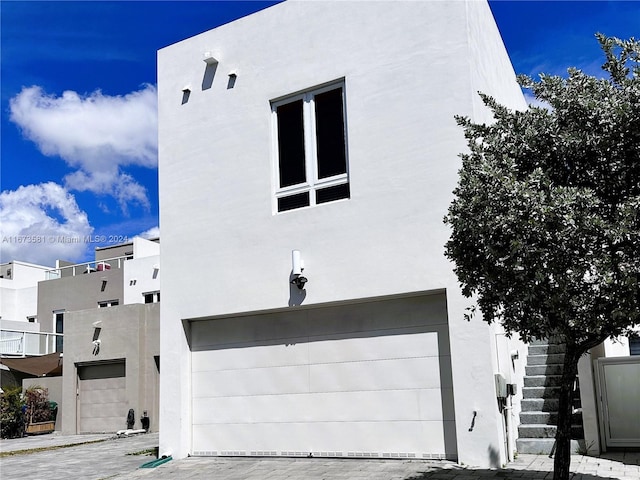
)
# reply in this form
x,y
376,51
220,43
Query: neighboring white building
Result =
x,y
326,128
101,319
18,308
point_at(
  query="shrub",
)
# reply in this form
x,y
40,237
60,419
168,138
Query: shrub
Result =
x,y
38,406
11,414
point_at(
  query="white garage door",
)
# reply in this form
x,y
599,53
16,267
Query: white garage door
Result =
x,y
102,405
365,380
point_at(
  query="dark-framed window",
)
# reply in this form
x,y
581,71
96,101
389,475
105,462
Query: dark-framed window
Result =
x,y
311,148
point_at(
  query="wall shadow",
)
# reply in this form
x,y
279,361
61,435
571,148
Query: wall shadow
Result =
x,y
209,74
627,456
458,472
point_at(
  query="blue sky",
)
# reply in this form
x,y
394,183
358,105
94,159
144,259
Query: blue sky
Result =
x,y
78,118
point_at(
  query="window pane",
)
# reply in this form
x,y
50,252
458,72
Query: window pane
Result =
x,y
330,134
293,201
291,144
330,194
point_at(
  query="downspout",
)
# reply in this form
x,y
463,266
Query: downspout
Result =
x,y
508,412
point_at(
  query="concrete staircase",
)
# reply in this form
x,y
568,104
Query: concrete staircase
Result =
x,y
539,413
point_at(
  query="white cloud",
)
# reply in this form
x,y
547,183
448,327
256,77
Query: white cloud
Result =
x,y
534,102
96,134
42,223
151,233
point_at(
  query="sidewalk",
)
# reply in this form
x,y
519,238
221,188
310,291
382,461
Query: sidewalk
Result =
x,y
101,457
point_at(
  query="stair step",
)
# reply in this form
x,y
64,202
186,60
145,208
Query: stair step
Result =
x,y
540,392
546,418
543,381
547,431
539,404
538,418
546,359
535,370
545,349
546,341
543,446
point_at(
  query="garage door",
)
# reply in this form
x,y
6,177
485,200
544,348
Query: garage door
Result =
x,y
365,380
102,405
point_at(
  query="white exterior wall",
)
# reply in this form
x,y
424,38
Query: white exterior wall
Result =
x,y
408,71
142,273
146,276
19,294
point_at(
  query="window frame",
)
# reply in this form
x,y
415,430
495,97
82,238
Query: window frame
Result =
x,y
108,303
313,183
155,296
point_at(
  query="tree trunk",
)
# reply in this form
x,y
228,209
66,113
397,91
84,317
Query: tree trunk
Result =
x,y
562,460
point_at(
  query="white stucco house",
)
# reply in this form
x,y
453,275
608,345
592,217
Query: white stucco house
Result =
x,y
325,129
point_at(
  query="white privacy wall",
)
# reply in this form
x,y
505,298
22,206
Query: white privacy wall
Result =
x,y
408,69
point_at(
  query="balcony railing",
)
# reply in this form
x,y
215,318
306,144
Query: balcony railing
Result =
x,y
18,343
86,267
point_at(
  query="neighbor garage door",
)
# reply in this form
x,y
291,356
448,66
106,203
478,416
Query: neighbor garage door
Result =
x,y
360,380
102,405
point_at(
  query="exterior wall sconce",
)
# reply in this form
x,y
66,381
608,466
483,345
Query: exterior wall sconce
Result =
x,y
104,284
297,266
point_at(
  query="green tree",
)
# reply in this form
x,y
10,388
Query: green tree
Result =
x,y
545,221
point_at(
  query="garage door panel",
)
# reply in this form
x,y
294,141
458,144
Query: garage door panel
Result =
x,y
249,355
218,333
105,410
338,437
388,344
252,381
325,407
394,374
369,317
95,392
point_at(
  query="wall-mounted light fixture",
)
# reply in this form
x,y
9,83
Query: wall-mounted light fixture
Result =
x,y
297,266
156,269
104,284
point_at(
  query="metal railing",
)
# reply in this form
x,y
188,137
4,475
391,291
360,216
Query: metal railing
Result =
x,y
86,267
18,343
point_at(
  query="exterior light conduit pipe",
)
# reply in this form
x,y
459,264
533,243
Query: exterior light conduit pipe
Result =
x,y
508,410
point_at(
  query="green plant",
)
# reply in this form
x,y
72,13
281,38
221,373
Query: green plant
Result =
x,y
11,414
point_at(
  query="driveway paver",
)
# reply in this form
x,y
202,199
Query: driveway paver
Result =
x,y
110,458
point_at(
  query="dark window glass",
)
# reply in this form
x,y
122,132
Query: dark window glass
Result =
x,y
59,329
634,345
158,296
330,134
291,144
293,201
330,194
148,298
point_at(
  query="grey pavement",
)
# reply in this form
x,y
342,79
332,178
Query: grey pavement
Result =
x,y
102,457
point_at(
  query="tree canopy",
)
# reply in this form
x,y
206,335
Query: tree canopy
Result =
x,y
546,216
